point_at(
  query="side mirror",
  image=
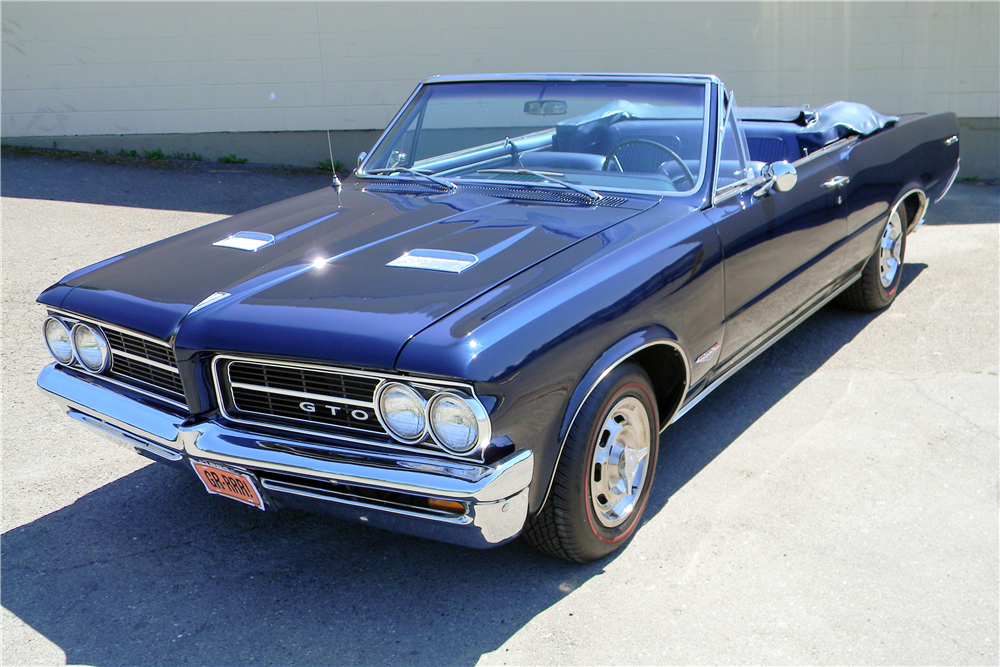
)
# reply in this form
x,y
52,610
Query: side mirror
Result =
x,y
779,175
361,157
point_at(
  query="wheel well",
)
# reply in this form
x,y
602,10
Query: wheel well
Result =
x,y
915,205
668,372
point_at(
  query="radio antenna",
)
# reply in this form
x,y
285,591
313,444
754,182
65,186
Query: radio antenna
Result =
x,y
336,184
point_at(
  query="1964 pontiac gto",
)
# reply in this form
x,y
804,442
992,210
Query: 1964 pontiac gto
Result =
x,y
485,331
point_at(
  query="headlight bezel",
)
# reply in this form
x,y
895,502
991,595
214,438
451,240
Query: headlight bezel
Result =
x,y
379,412
102,343
483,426
429,394
69,335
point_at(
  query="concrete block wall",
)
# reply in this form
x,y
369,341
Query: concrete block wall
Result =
x,y
91,69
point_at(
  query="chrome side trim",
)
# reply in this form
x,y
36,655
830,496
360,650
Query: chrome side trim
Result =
x,y
829,148
953,139
760,350
600,378
144,360
388,443
951,181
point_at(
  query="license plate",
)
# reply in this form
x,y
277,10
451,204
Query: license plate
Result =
x,y
221,482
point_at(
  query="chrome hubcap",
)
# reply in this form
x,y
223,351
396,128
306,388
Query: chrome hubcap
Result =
x,y
618,470
890,250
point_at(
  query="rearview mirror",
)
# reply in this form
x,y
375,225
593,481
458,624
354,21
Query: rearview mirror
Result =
x,y
545,107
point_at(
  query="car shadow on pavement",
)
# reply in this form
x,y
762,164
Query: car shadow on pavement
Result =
x,y
150,570
703,433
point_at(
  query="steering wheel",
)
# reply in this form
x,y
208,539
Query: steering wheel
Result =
x,y
613,158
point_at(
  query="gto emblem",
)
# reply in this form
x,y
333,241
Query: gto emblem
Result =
x,y
359,415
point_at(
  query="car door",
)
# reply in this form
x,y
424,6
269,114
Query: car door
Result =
x,y
781,251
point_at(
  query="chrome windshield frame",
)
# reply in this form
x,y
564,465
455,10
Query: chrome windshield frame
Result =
x,y
706,81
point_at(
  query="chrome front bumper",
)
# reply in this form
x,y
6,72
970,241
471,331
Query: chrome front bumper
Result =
x,y
495,496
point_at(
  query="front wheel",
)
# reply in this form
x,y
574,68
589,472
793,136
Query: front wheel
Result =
x,y
879,281
605,472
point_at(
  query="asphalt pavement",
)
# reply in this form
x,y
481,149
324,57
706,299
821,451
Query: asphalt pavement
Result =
x,y
835,502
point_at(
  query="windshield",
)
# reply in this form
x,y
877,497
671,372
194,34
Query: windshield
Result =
x,y
613,135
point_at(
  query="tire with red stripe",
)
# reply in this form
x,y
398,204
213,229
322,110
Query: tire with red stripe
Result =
x,y
605,471
879,282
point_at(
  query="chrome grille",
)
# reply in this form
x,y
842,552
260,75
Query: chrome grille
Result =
x,y
149,365
303,380
138,362
131,369
284,395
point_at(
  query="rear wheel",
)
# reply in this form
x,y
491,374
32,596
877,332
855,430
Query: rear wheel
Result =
x,y
605,472
879,281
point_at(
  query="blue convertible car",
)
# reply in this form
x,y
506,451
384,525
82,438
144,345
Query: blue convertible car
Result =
x,y
484,332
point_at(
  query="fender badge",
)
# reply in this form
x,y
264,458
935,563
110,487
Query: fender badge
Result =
x,y
708,354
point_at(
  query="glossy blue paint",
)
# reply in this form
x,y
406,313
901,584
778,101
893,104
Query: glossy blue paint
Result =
x,y
560,292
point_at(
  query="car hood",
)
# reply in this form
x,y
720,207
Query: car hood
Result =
x,y
323,290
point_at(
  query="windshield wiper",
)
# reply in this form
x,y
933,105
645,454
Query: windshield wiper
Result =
x,y
407,170
547,176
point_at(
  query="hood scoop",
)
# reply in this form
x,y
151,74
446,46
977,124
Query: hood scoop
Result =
x,y
448,261
249,241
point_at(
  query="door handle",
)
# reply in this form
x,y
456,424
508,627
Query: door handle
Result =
x,y
837,182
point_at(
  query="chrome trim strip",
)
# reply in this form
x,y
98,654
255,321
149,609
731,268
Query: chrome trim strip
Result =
x,y
704,80
753,355
734,189
298,394
829,148
951,181
573,76
953,139
388,443
600,378
297,490
121,434
143,360
921,210
139,390
107,325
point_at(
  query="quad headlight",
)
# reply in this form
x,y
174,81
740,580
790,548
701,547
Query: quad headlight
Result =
x,y
457,423
402,411
59,340
91,347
